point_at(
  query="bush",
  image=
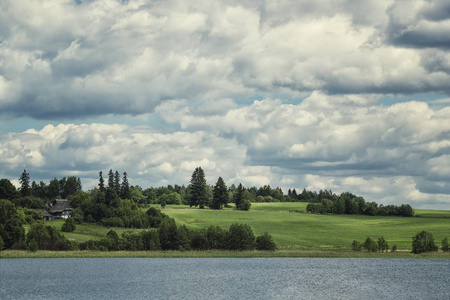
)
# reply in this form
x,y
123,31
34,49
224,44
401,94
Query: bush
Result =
x,y
33,246
370,245
356,246
444,245
240,237
69,225
382,244
423,241
265,242
394,248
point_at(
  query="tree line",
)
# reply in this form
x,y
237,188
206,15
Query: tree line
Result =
x,y
161,233
350,204
239,237
423,241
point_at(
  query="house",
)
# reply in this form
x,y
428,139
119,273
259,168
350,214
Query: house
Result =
x,y
46,216
60,209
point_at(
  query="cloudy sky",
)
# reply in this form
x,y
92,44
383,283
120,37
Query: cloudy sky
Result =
x,y
328,94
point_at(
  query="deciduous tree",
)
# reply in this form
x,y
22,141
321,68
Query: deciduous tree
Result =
x,y
265,242
240,237
423,241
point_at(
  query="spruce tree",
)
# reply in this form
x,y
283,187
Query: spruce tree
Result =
x,y
111,179
238,196
25,189
101,182
125,192
220,196
117,182
198,189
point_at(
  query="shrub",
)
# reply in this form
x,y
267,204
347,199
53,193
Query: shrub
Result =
x,y
69,225
394,248
33,246
445,245
356,246
240,237
382,244
265,242
370,245
423,241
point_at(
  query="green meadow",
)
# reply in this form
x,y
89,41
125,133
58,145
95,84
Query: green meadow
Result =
x,y
302,231
297,234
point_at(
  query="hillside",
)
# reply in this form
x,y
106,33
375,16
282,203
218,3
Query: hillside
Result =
x,y
301,231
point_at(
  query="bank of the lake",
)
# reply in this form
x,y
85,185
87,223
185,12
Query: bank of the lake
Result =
x,y
216,254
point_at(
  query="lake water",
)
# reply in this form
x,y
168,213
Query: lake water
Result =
x,y
224,278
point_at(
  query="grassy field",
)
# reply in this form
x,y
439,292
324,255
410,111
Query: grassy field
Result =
x,y
301,231
296,234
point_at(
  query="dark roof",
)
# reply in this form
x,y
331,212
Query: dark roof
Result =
x,y
60,205
44,212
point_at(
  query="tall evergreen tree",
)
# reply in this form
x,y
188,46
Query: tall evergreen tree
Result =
x,y
117,182
198,189
111,179
101,182
238,196
25,188
241,201
125,192
220,196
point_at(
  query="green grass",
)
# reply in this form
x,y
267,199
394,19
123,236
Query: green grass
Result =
x,y
296,234
301,231
85,231
211,254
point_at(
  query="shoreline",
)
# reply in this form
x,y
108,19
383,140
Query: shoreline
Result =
x,y
218,254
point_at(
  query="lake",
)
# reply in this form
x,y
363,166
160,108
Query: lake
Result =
x,y
224,278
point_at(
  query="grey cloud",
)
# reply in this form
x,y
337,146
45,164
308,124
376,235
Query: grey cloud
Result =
x,y
419,26
93,59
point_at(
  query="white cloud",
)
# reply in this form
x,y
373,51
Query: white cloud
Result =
x,y
99,58
190,72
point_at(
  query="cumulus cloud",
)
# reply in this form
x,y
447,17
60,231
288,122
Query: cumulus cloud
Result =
x,y
344,136
284,92
388,154
149,157
66,59
419,24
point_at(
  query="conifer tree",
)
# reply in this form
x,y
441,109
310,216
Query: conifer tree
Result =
x,y
240,199
111,179
25,189
117,182
125,192
220,196
101,182
198,189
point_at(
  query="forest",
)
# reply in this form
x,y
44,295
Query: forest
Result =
x,y
116,203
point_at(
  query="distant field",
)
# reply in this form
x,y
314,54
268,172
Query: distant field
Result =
x,y
301,231
298,231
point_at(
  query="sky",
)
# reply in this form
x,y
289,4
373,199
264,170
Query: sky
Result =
x,y
329,94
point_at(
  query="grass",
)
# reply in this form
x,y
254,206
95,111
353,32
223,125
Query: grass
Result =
x,y
296,234
301,231
85,231
213,254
